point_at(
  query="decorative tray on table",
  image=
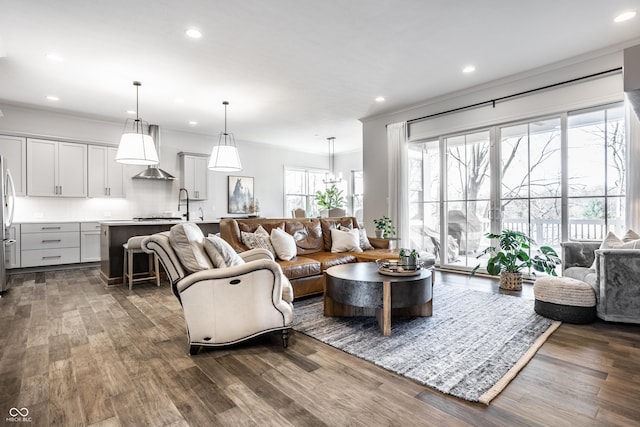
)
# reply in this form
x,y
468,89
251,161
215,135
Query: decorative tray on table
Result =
x,y
394,267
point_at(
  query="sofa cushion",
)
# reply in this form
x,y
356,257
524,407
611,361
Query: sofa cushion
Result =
x,y
284,244
587,275
221,253
258,239
307,234
300,266
630,235
345,241
365,244
328,259
187,241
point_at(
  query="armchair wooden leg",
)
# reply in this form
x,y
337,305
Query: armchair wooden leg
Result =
x,y
285,338
194,349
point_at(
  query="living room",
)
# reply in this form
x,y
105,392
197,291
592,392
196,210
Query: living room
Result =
x,y
275,133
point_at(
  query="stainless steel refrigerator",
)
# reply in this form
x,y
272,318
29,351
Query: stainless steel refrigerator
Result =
x,y
7,198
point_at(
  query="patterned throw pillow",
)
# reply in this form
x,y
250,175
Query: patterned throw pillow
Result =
x,y
258,239
221,253
614,242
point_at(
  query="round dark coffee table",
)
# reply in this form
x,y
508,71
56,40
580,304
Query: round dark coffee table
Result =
x,y
358,289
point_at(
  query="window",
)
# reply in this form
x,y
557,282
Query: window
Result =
x,y
555,178
596,169
300,189
357,198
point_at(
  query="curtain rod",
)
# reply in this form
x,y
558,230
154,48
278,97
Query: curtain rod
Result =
x,y
492,102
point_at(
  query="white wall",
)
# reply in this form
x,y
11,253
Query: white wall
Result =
x,y
265,163
374,128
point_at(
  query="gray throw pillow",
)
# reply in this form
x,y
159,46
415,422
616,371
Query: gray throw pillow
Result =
x,y
221,253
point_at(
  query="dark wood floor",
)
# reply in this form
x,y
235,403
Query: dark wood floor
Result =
x,y
75,353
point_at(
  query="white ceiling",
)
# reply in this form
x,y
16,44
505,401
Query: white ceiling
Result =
x,y
295,72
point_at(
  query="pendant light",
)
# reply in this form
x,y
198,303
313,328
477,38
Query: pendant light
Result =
x,y
224,156
136,147
331,178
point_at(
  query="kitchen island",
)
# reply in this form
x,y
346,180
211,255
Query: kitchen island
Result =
x,y
113,234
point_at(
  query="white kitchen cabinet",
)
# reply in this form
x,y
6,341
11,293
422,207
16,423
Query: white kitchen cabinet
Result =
x,y
14,150
89,241
49,243
106,176
56,168
195,174
12,251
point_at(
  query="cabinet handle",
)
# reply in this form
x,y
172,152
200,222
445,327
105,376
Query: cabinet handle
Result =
x,y
50,228
52,257
52,241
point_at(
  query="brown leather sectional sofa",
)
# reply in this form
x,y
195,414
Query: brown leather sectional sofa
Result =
x,y
313,241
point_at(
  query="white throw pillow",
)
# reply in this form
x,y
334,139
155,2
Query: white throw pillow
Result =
x,y
365,244
187,241
345,241
221,253
614,242
258,239
284,244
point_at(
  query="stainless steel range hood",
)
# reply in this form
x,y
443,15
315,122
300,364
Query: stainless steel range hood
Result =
x,y
154,172
631,72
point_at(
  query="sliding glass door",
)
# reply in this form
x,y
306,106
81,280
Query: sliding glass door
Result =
x,y
554,178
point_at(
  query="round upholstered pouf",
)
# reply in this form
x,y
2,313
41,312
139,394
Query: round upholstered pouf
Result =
x,y
565,299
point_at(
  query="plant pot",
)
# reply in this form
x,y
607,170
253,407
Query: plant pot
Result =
x,y
511,281
378,233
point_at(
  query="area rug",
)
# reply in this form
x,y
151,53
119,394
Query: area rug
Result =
x,y
472,347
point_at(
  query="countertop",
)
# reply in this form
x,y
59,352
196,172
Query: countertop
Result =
x,y
155,222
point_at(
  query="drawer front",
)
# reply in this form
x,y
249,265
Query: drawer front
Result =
x,y
50,240
40,257
51,227
89,226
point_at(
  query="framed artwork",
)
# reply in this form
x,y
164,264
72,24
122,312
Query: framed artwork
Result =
x,y
241,195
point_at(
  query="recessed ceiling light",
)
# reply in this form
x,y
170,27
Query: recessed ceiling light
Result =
x,y
380,99
193,122
193,33
625,16
131,112
54,57
469,69
53,98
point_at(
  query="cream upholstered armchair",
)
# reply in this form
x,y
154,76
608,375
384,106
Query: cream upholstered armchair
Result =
x,y
223,305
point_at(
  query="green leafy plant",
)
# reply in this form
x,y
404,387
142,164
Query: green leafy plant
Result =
x,y
408,253
330,198
512,255
385,225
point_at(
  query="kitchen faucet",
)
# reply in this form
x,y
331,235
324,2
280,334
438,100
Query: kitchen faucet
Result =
x,y
180,204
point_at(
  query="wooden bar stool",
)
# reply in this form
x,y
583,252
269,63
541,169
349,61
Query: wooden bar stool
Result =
x,y
132,247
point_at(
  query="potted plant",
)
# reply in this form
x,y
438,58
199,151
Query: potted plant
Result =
x,y
511,257
330,198
384,227
409,258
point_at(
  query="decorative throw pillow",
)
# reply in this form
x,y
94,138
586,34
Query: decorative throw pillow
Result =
x,y
258,239
187,241
630,235
365,244
614,242
345,241
221,253
284,244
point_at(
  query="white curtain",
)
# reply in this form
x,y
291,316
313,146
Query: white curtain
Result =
x,y
633,172
398,179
